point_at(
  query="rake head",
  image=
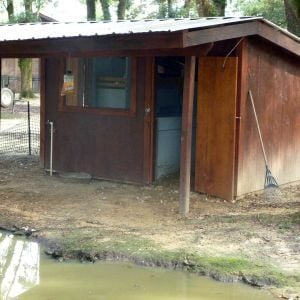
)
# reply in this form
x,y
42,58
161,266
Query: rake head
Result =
x,y
270,181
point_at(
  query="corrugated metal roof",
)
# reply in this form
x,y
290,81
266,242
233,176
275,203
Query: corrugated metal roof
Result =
x,y
37,31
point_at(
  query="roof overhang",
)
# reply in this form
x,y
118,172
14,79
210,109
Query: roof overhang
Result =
x,y
135,37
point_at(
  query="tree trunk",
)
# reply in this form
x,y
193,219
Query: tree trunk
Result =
x,y
10,9
28,6
121,9
105,9
292,17
220,7
186,7
25,65
203,8
171,13
91,10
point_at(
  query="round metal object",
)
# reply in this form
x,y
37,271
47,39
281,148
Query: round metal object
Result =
x,y
7,97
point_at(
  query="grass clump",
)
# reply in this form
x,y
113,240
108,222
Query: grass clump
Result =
x,y
283,222
5,115
118,245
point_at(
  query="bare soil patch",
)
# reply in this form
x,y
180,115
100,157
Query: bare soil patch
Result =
x,y
262,227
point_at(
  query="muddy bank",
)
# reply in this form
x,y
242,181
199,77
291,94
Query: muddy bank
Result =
x,y
227,270
255,240
175,264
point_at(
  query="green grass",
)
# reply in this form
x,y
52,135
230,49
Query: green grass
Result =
x,y
141,250
5,115
283,222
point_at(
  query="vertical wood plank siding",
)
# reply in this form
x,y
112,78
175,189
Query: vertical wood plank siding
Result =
x,y
274,78
215,136
105,146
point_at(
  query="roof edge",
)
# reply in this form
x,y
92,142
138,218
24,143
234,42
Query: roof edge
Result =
x,y
279,36
282,30
259,27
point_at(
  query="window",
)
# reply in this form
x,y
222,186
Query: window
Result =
x,y
101,84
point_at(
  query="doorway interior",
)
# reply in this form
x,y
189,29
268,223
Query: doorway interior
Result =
x,y
169,80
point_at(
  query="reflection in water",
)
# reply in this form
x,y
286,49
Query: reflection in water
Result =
x,y
20,271
19,266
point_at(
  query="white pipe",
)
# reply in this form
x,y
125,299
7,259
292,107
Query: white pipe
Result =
x,y
51,147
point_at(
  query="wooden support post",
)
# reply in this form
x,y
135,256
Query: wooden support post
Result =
x,y
186,134
42,62
0,91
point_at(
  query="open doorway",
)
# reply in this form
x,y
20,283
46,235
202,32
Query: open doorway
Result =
x,y
20,116
169,80
168,110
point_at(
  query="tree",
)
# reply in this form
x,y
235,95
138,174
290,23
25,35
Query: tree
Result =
x,y
105,9
91,9
9,7
25,64
190,8
272,10
121,9
204,8
292,10
30,14
219,7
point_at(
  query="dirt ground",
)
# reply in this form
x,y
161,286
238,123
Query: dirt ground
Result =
x,y
262,227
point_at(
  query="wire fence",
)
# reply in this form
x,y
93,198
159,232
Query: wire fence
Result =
x,y
20,133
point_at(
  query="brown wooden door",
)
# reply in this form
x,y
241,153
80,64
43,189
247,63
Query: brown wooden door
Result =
x,y
108,146
215,138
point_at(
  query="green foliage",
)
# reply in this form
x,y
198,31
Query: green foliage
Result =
x,y
24,63
196,8
272,10
296,4
24,17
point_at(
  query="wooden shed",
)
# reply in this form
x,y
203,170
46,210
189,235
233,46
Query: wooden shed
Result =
x,y
154,97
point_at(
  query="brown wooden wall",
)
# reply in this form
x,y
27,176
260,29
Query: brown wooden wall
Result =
x,y
105,146
274,78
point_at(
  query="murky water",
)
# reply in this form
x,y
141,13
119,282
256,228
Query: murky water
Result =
x,y
24,275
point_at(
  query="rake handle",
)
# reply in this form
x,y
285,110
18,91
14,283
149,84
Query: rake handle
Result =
x,y
258,128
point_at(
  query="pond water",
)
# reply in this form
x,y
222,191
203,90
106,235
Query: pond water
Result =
x,y
25,274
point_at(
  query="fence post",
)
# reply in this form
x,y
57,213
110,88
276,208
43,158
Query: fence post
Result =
x,y
29,128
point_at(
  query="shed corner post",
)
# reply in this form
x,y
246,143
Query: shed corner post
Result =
x,y
0,91
186,134
42,71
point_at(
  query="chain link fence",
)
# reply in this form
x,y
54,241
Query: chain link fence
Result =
x,y
20,130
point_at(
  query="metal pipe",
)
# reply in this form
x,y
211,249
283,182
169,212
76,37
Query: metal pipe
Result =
x,y
29,128
51,146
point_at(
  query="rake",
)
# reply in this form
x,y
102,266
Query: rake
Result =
x,y
270,181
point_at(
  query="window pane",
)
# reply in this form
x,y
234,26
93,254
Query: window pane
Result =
x,y
102,82
108,82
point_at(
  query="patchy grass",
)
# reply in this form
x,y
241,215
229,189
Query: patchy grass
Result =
x,y
283,221
8,115
118,245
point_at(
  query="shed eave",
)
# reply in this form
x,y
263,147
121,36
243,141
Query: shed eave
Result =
x,y
261,27
161,36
